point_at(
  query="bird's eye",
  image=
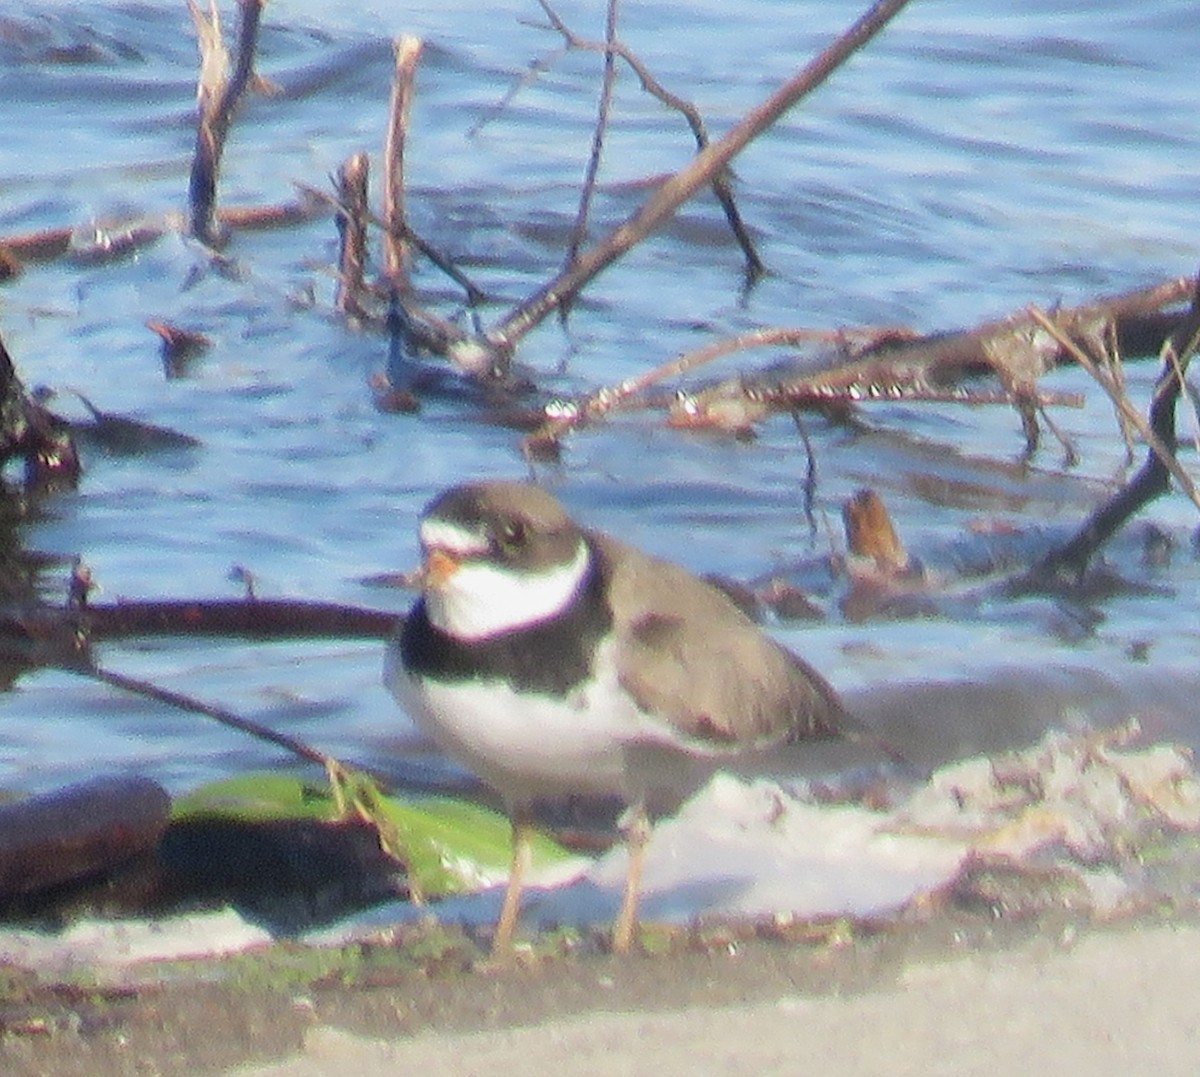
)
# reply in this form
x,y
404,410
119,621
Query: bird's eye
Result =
x,y
511,536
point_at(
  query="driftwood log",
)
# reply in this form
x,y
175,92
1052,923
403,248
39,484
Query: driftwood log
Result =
x,y
78,830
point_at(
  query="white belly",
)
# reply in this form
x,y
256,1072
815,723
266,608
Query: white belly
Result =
x,y
529,747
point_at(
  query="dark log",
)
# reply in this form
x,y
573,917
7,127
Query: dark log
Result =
x,y
42,635
254,617
257,617
289,873
29,431
78,830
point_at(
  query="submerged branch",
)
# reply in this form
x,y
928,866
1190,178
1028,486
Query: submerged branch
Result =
x,y
897,365
355,790
179,701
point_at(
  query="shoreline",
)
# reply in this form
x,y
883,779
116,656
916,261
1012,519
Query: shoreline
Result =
x,y
1109,1002
960,993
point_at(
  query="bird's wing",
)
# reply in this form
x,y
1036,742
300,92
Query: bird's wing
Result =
x,y
693,660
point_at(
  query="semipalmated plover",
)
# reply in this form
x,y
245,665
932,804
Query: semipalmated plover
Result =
x,y
556,661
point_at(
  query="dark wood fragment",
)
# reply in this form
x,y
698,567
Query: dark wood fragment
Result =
x,y
78,830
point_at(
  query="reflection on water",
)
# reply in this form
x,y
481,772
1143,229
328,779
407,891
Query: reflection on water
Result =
x,y
967,163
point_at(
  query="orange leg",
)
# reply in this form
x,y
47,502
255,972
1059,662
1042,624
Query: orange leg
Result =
x,y
637,833
510,911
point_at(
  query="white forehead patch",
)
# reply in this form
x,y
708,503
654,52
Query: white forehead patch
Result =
x,y
440,535
482,599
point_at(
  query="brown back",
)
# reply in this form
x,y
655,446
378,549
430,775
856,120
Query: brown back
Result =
x,y
686,652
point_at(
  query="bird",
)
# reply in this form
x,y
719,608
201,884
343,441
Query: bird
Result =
x,y
553,661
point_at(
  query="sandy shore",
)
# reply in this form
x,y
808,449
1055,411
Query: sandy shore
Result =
x,y
1110,1003
997,964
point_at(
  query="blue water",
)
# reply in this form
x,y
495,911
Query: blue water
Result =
x,y
965,164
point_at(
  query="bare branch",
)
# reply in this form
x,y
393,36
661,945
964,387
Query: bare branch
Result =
x,y
579,229
352,231
218,96
720,182
1171,370
395,245
678,188
567,416
1067,564
897,365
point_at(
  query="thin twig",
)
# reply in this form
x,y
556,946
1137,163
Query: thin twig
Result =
x,y
604,400
147,690
720,182
535,69
1122,404
355,790
474,294
1070,452
1114,362
810,474
579,228
426,329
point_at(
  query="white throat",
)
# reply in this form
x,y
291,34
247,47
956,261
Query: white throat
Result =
x,y
481,600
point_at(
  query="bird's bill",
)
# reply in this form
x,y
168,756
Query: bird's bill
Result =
x,y
440,566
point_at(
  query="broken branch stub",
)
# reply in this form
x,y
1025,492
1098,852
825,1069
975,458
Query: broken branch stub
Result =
x,y
218,95
352,179
395,243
